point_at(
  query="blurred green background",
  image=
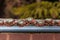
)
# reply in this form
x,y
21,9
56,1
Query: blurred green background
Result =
x,y
38,9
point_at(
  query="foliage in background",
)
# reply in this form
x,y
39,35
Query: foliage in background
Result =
x,y
40,10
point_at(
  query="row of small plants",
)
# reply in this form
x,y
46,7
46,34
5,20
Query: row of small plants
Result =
x,y
40,10
29,22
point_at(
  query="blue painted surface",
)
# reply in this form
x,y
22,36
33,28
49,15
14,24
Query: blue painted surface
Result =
x,y
30,29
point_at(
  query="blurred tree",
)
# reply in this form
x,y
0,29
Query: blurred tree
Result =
x,y
38,1
9,4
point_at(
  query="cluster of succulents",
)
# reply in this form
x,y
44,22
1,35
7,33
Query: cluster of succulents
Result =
x,y
41,10
29,22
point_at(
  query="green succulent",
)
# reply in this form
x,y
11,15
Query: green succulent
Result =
x,y
38,10
54,12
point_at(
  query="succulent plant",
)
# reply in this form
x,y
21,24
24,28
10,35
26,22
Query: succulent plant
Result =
x,y
38,10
